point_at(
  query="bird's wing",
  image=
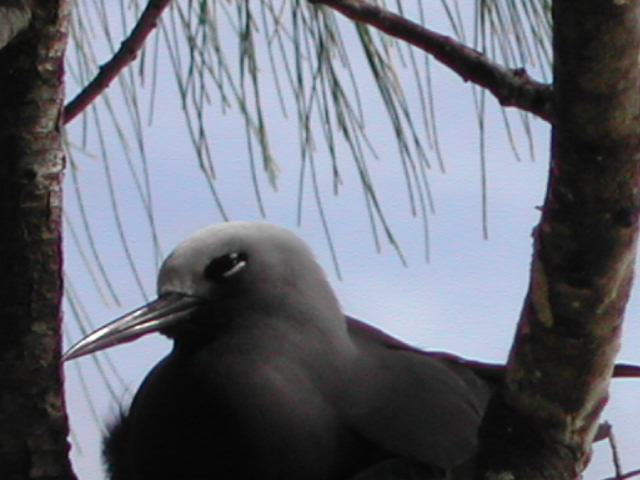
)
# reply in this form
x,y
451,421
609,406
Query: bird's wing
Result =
x,y
411,404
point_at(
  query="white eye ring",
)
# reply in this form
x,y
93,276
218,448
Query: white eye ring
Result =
x,y
237,266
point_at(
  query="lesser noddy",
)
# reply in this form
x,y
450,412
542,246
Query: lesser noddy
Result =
x,y
269,380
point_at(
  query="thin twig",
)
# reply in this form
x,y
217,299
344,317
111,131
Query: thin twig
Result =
x,y
625,476
511,87
496,371
126,54
626,370
615,455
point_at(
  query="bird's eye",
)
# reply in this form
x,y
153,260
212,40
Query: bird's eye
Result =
x,y
225,266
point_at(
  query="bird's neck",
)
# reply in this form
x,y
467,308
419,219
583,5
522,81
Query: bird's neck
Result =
x,y
297,324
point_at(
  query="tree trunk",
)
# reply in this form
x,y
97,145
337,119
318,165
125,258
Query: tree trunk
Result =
x,y
33,424
542,425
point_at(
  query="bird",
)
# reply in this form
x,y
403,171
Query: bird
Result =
x,y
269,379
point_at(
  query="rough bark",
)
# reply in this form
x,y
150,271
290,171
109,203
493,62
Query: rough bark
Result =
x,y
14,18
33,426
542,425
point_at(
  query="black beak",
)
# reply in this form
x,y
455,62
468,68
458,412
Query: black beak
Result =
x,y
166,310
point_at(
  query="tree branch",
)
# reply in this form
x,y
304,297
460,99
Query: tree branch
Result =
x,y
511,87
625,476
542,424
125,55
15,16
33,423
497,371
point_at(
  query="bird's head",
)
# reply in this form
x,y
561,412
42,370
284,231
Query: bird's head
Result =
x,y
219,274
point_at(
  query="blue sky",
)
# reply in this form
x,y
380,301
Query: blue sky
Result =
x,y
466,299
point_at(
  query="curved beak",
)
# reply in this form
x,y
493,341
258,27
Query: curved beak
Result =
x,y
166,310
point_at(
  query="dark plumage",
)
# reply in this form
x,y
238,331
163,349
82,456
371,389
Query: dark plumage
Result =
x,y
268,380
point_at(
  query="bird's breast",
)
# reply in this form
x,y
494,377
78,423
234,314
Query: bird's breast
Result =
x,y
237,416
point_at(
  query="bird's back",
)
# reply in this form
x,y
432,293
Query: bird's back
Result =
x,y
414,405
